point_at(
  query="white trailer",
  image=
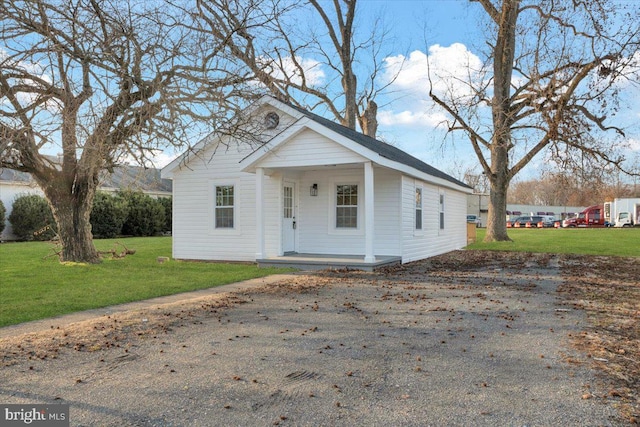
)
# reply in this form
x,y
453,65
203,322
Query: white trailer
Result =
x,y
623,212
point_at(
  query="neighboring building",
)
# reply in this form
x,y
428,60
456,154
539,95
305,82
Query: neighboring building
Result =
x,y
14,184
314,188
478,204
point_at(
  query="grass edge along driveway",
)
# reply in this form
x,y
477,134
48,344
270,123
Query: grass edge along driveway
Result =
x,y
34,286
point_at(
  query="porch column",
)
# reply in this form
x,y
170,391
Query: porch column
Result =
x,y
368,213
259,213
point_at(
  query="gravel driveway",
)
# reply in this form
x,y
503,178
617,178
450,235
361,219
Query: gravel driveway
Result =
x,y
464,339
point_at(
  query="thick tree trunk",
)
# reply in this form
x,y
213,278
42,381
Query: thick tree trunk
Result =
x,y
369,120
72,210
497,219
502,120
499,183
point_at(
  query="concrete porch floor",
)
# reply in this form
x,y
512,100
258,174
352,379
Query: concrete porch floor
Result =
x,y
305,261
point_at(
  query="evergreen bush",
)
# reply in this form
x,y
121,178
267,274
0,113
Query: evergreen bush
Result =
x,y
31,218
146,215
108,214
167,203
3,212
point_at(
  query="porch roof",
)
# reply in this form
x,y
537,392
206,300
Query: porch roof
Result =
x,y
383,149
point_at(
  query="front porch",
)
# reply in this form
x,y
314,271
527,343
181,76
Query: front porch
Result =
x,y
304,261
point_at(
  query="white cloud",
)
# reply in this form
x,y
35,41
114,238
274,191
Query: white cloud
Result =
x,y
447,70
161,159
409,73
421,117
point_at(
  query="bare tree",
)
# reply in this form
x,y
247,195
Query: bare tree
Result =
x,y
550,79
289,59
475,180
557,188
97,81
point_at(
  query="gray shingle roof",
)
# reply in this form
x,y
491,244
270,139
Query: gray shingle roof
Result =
x,y
14,176
122,178
135,178
383,149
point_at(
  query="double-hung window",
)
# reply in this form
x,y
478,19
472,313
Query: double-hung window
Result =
x,y
418,208
224,211
441,210
347,206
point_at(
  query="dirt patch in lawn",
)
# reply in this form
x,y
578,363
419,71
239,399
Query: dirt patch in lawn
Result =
x,y
608,289
470,337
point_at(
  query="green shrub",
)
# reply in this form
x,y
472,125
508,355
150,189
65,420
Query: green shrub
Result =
x,y
146,215
108,214
167,203
3,212
32,219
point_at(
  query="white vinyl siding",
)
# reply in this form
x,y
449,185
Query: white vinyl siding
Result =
x,y
432,240
309,149
316,218
194,233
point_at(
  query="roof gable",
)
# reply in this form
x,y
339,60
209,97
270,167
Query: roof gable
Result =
x,y
360,144
383,149
309,148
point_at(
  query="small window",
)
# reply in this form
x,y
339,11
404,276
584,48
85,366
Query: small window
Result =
x,y
347,206
418,208
441,210
224,206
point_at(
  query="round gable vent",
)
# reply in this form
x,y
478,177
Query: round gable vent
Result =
x,y
271,120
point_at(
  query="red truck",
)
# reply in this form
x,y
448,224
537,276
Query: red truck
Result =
x,y
593,216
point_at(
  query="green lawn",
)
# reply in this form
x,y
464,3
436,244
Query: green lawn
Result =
x,y
587,241
32,287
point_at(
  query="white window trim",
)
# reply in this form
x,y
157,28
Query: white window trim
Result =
x,y
418,231
212,207
333,204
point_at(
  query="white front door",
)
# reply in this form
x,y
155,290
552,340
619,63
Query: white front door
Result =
x,y
288,217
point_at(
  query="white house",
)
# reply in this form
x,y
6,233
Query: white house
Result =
x,y
313,193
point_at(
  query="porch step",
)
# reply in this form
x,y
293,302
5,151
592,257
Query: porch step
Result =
x,y
324,262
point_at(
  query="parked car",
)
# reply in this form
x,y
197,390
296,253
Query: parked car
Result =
x,y
533,221
473,219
